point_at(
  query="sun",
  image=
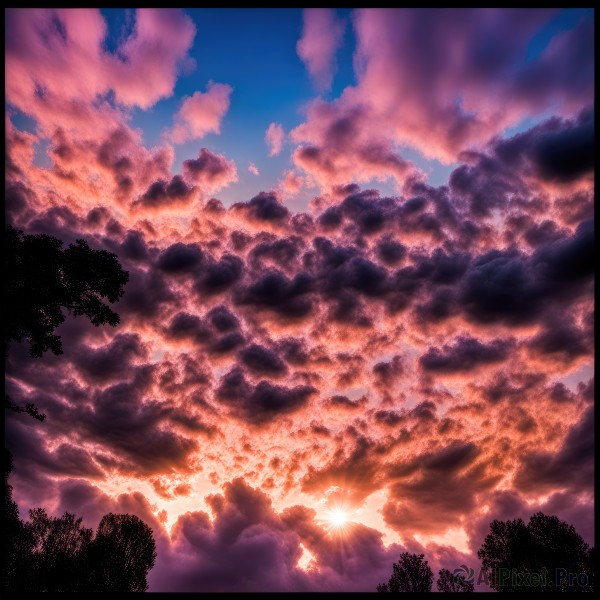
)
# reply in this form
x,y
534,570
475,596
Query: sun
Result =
x,y
338,518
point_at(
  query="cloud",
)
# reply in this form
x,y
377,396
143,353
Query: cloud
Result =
x,y
113,361
60,54
556,150
263,207
441,97
201,113
261,361
322,35
423,501
336,146
211,172
164,194
274,138
466,354
292,183
265,402
570,467
252,168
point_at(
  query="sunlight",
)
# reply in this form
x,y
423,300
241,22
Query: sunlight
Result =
x,y
338,518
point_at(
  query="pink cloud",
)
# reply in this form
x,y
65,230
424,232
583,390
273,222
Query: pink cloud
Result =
x,y
322,35
338,145
201,113
59,52
292,183
252,168
441,82
274,138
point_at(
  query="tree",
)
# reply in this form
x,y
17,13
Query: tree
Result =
x,y
29,408
121,555
58,554
410,574
448,582
42,280
18,542
547,554
60,545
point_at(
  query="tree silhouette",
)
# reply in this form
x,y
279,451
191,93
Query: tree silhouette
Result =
x,y
18,541
57,554
448,582
59,551
547,554
42,279
121,555
410,574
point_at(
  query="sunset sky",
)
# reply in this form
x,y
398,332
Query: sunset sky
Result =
x,y
359,318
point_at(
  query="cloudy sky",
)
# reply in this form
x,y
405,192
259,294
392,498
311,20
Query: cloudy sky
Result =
x,y
361,282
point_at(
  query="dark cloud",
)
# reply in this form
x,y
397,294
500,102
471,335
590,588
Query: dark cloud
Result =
x,y
465,354
542,233
263,403
567,260
512,386
218,276
293,350
274,291
186,326
110,362
389,418
262,361
145,294
486,186
571,467
281,252
563,340
560,393
17,198
163,193
97,216
390,251
180,258
511,287
263,207
222,319
134,246
387,373
555,150
216,333
227,343
66,459
128,427
210,171
245,547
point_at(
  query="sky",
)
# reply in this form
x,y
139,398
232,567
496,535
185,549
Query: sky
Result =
x,y
359,319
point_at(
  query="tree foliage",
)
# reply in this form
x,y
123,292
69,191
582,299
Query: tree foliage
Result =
x,y
410,574
58,558
449,582
18,541
58,554
42,280
121,554
541,554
